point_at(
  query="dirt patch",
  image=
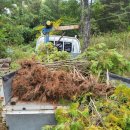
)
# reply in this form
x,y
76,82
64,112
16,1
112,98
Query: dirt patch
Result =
x,y
35,82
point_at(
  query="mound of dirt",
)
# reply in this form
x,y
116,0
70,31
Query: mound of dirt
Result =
x,y
35,82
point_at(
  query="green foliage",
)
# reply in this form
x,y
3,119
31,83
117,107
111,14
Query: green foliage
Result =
x,y
101,58
19,53
120,41
119,109
60,113
49,53
68,11
17,26
59,55
13,34
3,53
123,94
111,15
115,114
28,34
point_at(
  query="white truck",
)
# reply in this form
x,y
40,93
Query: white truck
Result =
x,y
69,44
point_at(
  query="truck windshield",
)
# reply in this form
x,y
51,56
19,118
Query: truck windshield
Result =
x,y
59,45
68,46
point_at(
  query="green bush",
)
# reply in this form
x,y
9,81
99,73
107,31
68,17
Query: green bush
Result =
x,y
120,41
111,113
13,34
101,58
18,53
19,34
3,53
49,53
28,34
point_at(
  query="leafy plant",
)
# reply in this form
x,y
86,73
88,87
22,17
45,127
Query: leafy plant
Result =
x,y
111,113
3,53
17,53
101,58
49,53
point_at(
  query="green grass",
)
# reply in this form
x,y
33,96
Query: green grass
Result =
x,y
120,41
18,53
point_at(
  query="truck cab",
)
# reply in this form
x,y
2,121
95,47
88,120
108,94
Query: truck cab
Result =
x,y
69,44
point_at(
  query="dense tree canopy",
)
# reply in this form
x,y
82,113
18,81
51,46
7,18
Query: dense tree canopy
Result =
x,y
20,17
113,15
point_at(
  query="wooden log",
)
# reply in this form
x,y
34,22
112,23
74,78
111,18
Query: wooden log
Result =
x,y
70,27
14,100
4,65
7,60
4,69
1,98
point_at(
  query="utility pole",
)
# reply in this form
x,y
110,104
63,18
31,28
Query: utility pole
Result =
x,y
86,6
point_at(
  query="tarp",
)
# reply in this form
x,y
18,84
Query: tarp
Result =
x,y
124,80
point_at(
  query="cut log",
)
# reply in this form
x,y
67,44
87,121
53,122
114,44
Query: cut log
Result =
x,y
7,60
14,100
70,27
4,69
4,65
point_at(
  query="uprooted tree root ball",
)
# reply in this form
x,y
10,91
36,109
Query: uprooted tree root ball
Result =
x,y
35,82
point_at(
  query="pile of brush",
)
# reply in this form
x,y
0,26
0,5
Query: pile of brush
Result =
x,y
35,82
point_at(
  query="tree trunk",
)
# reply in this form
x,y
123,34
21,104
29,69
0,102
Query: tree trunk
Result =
x,y
82,18
86,24
86,33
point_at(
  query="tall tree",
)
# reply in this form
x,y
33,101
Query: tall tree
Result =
x,y
113,15
86,5
51,9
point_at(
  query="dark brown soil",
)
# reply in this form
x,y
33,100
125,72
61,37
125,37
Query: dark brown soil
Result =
x,y
35,82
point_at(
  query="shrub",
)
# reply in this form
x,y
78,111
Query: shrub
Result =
x,y
101,58
112,113
3,53
49,53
